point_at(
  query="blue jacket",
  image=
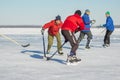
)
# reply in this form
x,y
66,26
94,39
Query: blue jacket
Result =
x,y
109,24
86,20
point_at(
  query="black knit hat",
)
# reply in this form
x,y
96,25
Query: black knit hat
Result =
x,y
78,12
58,17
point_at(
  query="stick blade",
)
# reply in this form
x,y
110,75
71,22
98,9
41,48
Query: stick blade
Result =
x,y
25,45
48,58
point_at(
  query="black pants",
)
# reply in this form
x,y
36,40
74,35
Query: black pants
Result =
x,y
82,35
70,37
107,37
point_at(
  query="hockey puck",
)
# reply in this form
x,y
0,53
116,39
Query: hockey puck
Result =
x,y
25,45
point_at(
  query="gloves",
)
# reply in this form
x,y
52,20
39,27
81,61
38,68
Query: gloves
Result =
x,y
66,40
78,29
103,25
92,21
42,31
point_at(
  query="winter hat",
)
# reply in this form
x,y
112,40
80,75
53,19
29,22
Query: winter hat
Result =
x,y
87,10
78,12
58,17
107,13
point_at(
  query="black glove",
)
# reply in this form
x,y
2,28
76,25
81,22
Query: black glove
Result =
x,y
78,29
65,39
42,31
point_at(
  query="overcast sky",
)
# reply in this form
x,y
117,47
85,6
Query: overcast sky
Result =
x,y
38,12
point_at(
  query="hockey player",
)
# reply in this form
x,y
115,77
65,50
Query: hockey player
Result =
x,y
109,29
86,31
70,25
53,31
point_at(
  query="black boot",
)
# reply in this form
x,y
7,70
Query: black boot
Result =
x,y
106,45
87,47
72,59
76,59
60,52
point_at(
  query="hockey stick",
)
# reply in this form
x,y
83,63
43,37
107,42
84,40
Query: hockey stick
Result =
x,y
48,58
103,31
43,44
14,41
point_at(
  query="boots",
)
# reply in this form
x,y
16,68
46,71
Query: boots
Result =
x,y
72,59
106,45
87,47
60,52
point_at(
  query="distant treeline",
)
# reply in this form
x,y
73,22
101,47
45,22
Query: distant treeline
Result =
x,y
37,26
20,26
116,26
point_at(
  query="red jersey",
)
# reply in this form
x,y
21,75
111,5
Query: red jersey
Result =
x,y
53,28
73,22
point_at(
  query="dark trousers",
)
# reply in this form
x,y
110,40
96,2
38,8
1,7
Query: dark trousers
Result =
x,y
107,37
70,37
82,35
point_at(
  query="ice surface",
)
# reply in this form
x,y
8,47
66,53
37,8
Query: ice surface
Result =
x,y
98,63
